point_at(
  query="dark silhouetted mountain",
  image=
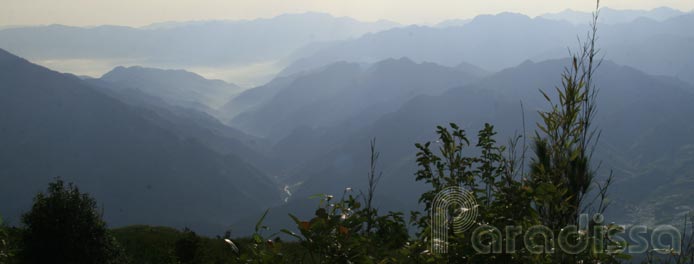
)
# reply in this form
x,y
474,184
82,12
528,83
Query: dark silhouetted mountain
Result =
x,y
176,87
188,43
56,125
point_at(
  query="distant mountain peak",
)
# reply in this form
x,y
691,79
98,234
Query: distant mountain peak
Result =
x,y
664,8
391,61
405,64
139,70
508,15
159,75
614,16
503,17
177,87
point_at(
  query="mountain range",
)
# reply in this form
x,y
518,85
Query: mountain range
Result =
x,y
495,42
344,91
140,170
219,48
614,16
640,116
171,147
191,43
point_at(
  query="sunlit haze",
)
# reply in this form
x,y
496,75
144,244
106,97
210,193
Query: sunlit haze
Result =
x,y
139,13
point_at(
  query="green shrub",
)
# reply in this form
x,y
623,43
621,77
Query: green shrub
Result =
x,y
63,226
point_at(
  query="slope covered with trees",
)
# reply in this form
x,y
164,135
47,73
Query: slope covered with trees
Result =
x,y
56,125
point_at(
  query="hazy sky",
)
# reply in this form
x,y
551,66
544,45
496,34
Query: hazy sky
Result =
x,y
143,12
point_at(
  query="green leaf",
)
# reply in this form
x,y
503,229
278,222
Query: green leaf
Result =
x,y
286,231
296,219
318,195
260,221
545,95
257,239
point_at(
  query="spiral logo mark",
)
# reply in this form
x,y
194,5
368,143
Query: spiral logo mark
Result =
x,y
464,215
